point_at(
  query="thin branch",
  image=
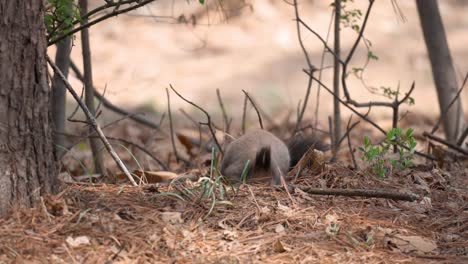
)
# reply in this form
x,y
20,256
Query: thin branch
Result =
x,y
299,37
147,152
171,126
195,123
109,105
347,105
368,120
93,122
353,49
244,114
351,151
332,138
446,143
349,128
304,106
311,67
89,24
208,118
255,107
223,110
70,117
321,40
322,60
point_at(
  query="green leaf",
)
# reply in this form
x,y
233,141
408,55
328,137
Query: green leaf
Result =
x,y
366,141
372,56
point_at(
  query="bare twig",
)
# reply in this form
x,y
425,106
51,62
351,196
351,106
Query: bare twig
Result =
x,y
313,128
386,194
91,23
223,109
256,109
353,49
349,128
147,152
332,138
368,120
311,67
244,114
322,60
109,105
446,143
171,126
73,113
351,151
208,118
195,123
93,122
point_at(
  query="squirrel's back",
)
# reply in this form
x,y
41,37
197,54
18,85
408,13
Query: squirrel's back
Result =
x,y
268,155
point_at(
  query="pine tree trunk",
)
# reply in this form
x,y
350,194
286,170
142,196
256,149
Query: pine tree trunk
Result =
x,y
27,166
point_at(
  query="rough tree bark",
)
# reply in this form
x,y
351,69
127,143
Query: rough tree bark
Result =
x,y
443,71
27,166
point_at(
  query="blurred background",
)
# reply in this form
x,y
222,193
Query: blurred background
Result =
x,y
253,45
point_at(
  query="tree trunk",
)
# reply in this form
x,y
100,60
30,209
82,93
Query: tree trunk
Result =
x,y
443,71
95,143
59,91
336,82
27,166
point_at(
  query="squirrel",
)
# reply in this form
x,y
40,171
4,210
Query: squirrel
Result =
x,y
270,157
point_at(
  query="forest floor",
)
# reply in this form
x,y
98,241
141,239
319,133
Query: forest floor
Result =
x,y
136,56
94,221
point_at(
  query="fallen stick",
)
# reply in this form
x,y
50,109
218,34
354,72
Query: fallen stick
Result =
x,y
394,195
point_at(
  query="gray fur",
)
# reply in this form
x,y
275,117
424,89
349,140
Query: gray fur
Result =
x,y
247,147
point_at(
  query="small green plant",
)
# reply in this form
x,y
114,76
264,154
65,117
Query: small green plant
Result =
x,y
405,144
210,189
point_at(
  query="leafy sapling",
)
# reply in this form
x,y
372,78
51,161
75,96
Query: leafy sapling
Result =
x,y
381,164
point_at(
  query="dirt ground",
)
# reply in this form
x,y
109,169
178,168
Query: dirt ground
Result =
x,y
95,220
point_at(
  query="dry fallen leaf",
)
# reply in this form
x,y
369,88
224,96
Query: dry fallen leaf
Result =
x,y
278,247
407,244
151,176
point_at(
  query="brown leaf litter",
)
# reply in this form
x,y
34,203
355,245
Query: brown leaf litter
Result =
x,y
121,224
